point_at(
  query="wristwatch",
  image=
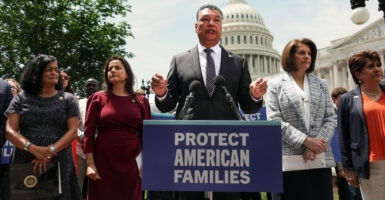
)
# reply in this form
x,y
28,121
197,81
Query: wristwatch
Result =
x,y
27,145
52,148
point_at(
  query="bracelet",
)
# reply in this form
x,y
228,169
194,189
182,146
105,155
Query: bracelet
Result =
x,y
27,145
52,148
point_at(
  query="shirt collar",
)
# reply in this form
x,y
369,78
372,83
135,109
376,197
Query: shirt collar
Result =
x,y
215,48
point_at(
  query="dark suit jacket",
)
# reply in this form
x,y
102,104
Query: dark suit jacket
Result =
x,y
5,98
185,68
353,133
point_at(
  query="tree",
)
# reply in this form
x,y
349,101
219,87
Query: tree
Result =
x,y
81,34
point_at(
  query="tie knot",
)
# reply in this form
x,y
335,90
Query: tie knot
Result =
x,y
208,51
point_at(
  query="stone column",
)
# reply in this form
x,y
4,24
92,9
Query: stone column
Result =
x,y
336,81
265,64
251,64
350,82
330,76
258,65
271,68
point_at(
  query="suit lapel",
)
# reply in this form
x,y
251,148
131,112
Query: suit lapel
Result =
x,y
288,88
196,68
315,95
225,61
357,101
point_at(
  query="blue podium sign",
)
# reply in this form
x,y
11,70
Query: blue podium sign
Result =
x,y
6,152
228,156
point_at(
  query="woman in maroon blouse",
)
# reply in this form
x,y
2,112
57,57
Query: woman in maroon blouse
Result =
x,y
114,118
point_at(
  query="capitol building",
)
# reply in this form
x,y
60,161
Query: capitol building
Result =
x,y
332,61
244,33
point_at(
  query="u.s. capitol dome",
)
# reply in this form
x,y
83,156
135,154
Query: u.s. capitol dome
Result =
x,y
244,33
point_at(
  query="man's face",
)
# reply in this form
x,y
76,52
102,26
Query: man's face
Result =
x,y
209,27
91,87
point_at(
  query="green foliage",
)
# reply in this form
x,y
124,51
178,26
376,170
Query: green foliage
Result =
x,y
81,34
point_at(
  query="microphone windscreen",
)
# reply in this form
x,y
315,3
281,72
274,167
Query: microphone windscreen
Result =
x,y
194,86
219,81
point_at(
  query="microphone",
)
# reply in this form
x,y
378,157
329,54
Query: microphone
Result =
x,y
220,82
194,87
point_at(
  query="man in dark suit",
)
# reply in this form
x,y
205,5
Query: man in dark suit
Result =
x,y
5,98
208,104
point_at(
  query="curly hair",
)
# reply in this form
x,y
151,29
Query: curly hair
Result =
x,y
31,80
129,86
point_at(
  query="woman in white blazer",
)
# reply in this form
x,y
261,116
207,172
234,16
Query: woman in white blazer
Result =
x,y
302,103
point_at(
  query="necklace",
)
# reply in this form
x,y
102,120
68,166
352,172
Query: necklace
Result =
x,y
373,95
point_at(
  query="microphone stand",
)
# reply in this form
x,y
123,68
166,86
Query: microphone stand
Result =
x,y
193,88
221,83
233,107
186,106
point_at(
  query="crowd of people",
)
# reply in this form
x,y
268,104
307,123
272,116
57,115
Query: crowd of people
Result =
x,y
96,139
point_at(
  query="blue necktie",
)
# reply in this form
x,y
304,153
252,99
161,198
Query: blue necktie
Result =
x,y
210,72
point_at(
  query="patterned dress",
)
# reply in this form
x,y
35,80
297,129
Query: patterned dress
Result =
x,y
118,121
43,121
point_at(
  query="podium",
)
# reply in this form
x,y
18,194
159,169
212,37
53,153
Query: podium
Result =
x,y
212,155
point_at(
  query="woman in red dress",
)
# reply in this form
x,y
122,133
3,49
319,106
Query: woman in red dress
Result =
x,y
113,122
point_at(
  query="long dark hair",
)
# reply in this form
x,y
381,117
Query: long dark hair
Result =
x,y
129,86
31,77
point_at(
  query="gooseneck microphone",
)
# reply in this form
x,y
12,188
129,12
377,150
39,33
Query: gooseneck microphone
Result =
x,y
220,82
194,87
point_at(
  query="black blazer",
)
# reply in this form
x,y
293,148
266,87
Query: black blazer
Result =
x,y
353,133
5,98
185,68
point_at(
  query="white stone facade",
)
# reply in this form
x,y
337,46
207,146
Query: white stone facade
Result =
x,y
244,33
332,61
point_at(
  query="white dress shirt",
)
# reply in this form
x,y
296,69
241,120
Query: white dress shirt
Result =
x,y
216,55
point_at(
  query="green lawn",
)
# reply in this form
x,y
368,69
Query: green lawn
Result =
x,y
263,196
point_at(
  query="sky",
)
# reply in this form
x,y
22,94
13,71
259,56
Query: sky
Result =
x,y
164,28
